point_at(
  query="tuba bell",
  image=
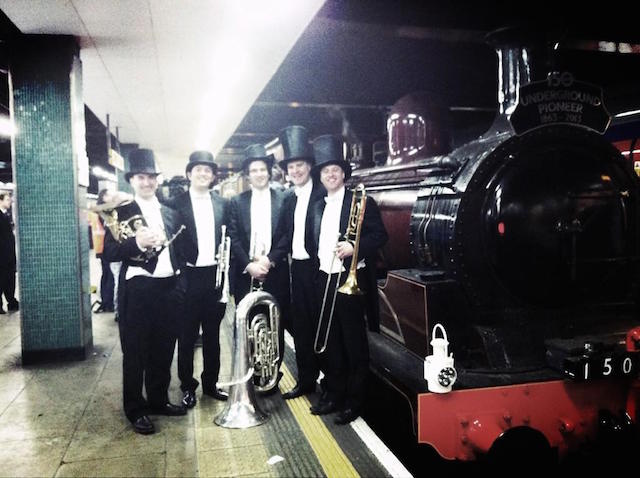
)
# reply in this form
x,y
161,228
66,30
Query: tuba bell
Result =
x,y
256,353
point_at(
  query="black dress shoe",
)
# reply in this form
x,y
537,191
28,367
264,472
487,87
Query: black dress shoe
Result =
x,y
169,409
143,425
298,391
13,306
2,311
189,399
346,416
323,407
216,393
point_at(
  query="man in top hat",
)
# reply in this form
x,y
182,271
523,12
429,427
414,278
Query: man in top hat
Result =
x,y
346,360
252,228
295,230
148,292
203,213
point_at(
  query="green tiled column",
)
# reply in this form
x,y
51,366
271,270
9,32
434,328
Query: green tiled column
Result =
x,y
48,153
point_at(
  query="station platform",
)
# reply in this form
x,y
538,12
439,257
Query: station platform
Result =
x,y
66,419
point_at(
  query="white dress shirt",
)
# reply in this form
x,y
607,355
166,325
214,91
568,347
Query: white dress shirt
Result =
x,y
303,194
260,222
205,228
151,211
330,233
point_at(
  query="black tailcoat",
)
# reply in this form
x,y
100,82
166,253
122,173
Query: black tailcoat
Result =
x,y
201,308
373,236
277,281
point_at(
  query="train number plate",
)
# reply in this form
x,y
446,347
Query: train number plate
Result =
x,y
602,365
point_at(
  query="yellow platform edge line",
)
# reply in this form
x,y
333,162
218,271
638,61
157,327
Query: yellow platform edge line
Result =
x,y
331,457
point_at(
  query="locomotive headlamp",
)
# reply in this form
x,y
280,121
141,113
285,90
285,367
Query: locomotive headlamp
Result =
x,y
438,367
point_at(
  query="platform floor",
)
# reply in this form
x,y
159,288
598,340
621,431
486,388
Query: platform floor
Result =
x,y
66,419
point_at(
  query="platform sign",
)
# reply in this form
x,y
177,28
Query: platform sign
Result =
x,y
560,99
116,160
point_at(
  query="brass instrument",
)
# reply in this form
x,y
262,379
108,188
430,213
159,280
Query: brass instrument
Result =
x,y
253,253
223,258
256,352
350,286
122,230
354,228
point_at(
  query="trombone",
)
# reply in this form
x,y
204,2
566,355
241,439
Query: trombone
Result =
x,y
222,272
350,286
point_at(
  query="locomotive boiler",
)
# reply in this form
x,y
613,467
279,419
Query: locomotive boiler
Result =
x,y
523,245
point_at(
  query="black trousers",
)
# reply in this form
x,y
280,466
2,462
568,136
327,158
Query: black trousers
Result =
x,y
304,319
346,358
201,308
8,284
107,285
148,334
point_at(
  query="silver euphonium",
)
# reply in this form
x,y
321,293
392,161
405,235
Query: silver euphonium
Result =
x,y
222,272
256,353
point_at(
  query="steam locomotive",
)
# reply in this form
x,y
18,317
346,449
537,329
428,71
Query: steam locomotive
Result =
x,y
523,245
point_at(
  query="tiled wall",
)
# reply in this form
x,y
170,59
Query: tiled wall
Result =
x,y
52,237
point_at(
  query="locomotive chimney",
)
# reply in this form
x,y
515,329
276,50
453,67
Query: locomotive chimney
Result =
x,y
514,51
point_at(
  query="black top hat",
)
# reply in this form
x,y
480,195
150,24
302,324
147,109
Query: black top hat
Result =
x,y
327,150
295,143
201,157
141,161
256,152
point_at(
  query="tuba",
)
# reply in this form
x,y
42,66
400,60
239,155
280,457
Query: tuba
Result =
x,y
256,352
223,258
350,286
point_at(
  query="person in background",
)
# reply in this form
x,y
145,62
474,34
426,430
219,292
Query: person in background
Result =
x,y
149,294
203,213
107,285
346,357
7,254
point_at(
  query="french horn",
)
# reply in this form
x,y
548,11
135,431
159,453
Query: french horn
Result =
x,y
123,229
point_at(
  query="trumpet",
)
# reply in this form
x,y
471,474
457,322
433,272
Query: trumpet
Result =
x,y
222,272
253,253
350,286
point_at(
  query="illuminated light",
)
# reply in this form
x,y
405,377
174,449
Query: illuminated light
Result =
x,y
605,178
625,48
241,61
294,104
501,228
627,113
7,128
608,46
98,172
626,153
